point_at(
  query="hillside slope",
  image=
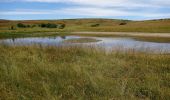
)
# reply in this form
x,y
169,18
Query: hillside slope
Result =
x,y
97,25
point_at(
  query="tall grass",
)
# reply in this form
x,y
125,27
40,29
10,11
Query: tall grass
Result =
x,y
52,73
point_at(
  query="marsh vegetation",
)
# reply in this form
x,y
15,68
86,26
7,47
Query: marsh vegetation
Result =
x,y
37,72
82,40
50,72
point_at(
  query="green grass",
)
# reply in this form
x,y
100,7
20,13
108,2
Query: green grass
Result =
x,y
48,73
81,40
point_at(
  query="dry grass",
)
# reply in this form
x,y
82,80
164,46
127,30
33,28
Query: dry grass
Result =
x,y
81,40
49,73
105,25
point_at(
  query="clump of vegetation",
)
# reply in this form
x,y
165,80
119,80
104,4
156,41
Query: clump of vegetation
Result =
x,y
20,25
12,28
37,72
49,25
61,26
81,40
123,23
95,25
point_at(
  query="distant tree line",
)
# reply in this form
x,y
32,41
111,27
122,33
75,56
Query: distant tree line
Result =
x,y
48,25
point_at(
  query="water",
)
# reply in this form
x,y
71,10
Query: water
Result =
x,y
107,43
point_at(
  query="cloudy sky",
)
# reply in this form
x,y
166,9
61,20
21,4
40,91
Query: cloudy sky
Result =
x,y
64,9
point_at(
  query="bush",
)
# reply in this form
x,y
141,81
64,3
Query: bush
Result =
x,y
123,23
12,27
48,25
21,25
61,26
42,25
51,25
95,25
33,26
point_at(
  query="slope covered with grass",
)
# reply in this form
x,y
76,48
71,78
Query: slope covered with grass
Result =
x,y
97,25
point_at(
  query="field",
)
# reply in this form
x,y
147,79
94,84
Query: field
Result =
x,y
92,25
49,73
39,72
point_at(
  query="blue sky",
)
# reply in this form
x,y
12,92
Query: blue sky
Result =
x,y
67,9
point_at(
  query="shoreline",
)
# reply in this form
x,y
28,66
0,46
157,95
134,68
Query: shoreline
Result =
x,y
139,34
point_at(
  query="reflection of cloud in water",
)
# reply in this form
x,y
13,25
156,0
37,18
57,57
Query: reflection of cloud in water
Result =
x,y
107,43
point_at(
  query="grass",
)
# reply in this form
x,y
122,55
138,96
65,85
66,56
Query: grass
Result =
x,y
138,38
28,34
74,25
153,39
49,73
81,40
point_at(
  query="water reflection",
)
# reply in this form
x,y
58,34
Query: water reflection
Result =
x,y
107,43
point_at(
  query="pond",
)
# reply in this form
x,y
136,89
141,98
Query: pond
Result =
x,y
104,42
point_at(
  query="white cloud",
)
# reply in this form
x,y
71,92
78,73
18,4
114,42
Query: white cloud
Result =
x,y
106,3
99,8
83,11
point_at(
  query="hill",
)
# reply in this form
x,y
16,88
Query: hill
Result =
x,y
97,25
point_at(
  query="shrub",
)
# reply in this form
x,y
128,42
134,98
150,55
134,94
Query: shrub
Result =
x,y
123,23
61,26
21,25
33,26
12,27
51,25
48,25
95,25
42,25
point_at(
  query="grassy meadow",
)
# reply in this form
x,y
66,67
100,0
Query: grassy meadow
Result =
x,y
38,72
71,73
92,25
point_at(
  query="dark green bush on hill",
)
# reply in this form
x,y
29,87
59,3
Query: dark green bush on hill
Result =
x,y
123,23
12,28
33,26
49,25
20,25
61,26
95,25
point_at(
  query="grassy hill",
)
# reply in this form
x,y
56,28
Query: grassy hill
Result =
x,y
99,25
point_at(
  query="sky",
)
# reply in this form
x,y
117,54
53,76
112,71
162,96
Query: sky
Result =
x,y
70,9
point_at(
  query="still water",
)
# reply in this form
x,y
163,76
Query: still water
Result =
x,y
107,43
